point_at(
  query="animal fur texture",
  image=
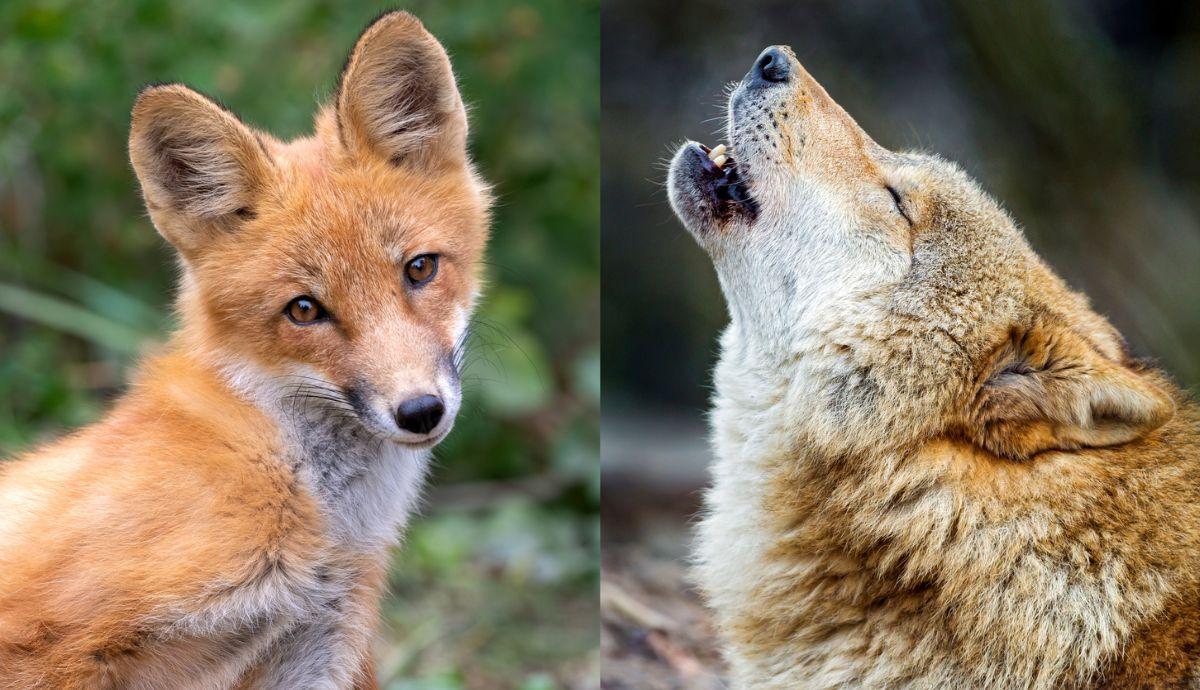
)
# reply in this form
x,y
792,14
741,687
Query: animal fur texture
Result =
x,y
228,523
936,465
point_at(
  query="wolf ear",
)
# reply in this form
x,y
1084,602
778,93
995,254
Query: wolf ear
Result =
x,y
1049,389
397,99
200,168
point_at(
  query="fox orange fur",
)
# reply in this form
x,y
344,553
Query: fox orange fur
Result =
x,y
936,465
228,523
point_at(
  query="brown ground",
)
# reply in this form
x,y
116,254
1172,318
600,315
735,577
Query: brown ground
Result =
x,y
655,634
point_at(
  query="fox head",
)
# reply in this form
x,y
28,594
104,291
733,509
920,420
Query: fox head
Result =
x,y
911,298
341,268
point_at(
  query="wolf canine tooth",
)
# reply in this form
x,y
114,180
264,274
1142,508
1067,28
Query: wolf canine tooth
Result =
x,y
720,160
713,154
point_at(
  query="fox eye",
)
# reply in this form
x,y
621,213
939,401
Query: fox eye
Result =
x,y
421,270
305,311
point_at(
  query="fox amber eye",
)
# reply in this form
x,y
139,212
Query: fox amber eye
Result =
x,y
422,269
305,310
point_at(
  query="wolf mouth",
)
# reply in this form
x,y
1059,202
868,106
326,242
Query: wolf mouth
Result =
x,y
721,179
730,186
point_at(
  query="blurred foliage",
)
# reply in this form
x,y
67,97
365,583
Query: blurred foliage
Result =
x,y
496,589
1079,116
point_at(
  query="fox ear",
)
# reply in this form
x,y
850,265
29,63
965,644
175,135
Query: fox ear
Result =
x,y
1049,389
397,98
200,168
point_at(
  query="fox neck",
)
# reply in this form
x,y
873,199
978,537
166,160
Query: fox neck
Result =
x,y
367,485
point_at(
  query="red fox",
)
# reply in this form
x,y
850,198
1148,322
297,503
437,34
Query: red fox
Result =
x,y
228,523
936,465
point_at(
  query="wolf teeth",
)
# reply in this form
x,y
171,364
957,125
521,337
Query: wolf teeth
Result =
x,y
717,155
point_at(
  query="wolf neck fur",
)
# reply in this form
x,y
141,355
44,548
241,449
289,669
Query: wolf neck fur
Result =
x,y
847,548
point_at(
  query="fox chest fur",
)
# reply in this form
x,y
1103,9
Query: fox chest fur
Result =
x,y
261,567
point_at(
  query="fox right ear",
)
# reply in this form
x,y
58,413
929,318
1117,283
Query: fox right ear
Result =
x,y
200,168
397,98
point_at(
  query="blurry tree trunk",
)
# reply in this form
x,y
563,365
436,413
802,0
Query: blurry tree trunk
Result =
x,y
1133,237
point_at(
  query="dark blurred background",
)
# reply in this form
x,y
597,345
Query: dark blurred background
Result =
x,y
1081,117
496,585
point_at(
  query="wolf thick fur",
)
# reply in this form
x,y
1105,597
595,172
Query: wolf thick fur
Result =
x,y
229,522
936,465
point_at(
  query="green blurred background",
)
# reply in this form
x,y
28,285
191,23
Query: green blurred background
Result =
x,y
496,585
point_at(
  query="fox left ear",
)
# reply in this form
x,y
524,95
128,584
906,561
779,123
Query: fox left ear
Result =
x,y
397,98
201,169
1049,389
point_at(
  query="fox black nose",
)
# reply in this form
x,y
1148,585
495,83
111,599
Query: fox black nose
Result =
x,y
772,66
420,414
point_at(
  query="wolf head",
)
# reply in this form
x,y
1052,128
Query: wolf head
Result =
x,y
912,300
336,271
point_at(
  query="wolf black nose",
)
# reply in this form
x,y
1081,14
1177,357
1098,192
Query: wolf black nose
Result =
x,y
420,414
772,65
